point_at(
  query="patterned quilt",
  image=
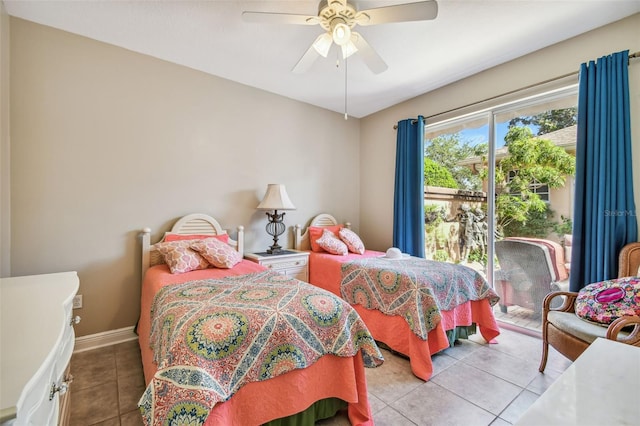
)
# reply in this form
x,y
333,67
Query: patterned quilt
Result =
x,y
414,288
211,337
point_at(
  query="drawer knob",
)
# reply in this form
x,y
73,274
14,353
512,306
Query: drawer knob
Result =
x,y
75,320
62,389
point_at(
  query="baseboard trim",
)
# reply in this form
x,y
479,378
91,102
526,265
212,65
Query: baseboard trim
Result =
x,y
106,338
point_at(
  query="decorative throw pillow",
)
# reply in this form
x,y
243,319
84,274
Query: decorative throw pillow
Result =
x,y
352,240
315,232
329,242
605,301
169,236
217,253
179,257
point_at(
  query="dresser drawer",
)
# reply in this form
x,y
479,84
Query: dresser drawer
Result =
x,y
41,407
68,340
287,264
299,272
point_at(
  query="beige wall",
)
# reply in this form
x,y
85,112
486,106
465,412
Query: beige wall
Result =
x,y
5,188
377,145
105,142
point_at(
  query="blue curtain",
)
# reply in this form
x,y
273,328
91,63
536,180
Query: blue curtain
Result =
x,y
408,200
604,217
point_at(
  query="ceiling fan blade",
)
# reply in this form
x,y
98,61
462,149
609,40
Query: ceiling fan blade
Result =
x,y
370,57
420,11
306,61
279,18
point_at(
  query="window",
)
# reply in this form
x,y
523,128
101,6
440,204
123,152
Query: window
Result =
x,y
504,170
541,189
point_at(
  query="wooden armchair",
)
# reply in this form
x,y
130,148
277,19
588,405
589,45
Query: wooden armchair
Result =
x,y
570,335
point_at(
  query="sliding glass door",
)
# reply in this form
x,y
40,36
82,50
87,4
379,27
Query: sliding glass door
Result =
x,y
499,197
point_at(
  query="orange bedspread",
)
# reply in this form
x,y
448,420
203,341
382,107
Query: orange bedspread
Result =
x,y
325,272
260,402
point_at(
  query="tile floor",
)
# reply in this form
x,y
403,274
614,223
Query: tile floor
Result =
x,y
474,383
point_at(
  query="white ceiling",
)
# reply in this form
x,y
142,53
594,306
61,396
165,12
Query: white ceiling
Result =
x,y
468,36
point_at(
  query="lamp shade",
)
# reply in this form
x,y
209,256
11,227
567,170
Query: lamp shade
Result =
x,y
276,198
323,44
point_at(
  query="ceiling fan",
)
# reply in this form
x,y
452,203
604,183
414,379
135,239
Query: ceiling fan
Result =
x,y
338,18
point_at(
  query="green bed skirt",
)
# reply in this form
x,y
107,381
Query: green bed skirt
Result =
x,y
322,409
462,332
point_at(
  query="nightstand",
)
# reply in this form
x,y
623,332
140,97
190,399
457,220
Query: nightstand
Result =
x,y
292,263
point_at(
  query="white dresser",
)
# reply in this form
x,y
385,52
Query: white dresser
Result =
x,y
36,343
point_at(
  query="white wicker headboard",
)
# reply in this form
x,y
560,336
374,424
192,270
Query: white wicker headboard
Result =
x,y
192,224
301,240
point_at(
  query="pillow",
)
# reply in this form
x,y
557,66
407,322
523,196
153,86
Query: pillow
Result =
x,y
315,232
179,257
170,236
329,242
352,240
605,301
217,253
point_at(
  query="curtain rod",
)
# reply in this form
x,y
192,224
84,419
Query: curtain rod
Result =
x,y
634,55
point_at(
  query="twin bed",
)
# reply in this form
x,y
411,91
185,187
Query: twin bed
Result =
x,y
243,345
238,344
392,298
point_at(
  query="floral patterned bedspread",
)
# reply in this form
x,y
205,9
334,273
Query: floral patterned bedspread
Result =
x,y
414,288
211,337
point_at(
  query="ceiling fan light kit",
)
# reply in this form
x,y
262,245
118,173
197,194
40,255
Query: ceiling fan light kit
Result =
x,y
323,44
341,33
338,18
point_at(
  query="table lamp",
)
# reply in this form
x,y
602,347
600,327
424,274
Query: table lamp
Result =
x,y
275,199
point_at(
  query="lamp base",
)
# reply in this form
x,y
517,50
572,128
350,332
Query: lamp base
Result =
x,y
275,250
275,228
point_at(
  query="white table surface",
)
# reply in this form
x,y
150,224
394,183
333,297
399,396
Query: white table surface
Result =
x,y
599,388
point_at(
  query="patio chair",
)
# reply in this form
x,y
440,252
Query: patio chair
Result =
x,y
571,335
529,269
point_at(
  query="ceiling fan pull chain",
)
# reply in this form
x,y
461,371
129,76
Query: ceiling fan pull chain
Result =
x,y
345,89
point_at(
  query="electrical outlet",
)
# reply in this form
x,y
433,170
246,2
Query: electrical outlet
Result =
x,y
77,301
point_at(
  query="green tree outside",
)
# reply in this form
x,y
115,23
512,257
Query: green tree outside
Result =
x,y
448,151
548,121
531,159
437,175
